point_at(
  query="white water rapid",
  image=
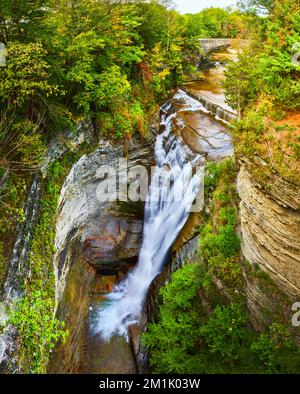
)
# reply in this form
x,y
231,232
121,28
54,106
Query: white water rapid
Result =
x,y
174,187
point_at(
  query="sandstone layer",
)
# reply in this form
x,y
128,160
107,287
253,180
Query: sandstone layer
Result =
x,y
270,226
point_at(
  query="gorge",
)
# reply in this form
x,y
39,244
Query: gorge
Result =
x,y
155,226
112,242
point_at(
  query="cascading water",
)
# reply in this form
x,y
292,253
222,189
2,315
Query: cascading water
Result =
x,y
208,106
173,190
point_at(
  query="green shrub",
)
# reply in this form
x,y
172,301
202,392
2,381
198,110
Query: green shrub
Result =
x,y
38,330
225,242
228,270
276,350
225,331
228,216
173,341
211,177
190,338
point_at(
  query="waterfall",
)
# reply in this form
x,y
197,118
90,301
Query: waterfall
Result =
x,y
173,189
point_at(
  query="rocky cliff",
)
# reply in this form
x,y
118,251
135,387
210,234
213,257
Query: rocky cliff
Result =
x,y
95,237
109,232
270,229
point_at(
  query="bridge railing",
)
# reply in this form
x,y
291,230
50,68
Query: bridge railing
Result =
x,y
211,44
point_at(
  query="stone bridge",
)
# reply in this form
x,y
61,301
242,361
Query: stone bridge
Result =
x,y
212,44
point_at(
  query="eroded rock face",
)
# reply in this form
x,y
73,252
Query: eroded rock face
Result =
x,y
94,237
73,309
270,225
110,234
119,242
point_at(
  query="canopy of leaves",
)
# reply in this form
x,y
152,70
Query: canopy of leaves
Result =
x,y
267,69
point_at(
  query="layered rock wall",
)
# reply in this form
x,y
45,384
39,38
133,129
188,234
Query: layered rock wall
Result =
x,y
95,237
270,229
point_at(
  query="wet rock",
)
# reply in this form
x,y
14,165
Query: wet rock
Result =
x,y
84,351
183,254
139,351
113,357
95,236
120,241
109,231
73,309
211,97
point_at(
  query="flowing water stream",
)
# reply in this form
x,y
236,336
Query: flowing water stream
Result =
x,y
174,187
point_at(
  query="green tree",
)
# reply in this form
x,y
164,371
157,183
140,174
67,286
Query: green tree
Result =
x,y
22,21
25,77
242,83
258,6
266,69
173,342
225,332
